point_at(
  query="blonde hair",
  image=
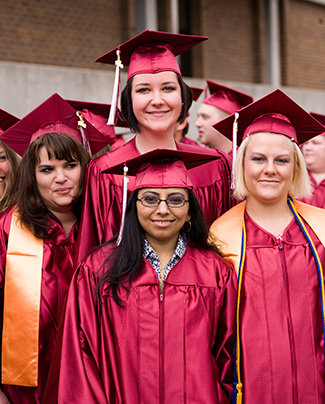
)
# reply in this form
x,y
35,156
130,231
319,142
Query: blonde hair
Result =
x,y
300,186
8,196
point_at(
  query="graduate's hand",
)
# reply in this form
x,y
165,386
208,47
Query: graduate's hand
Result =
x,y
3,398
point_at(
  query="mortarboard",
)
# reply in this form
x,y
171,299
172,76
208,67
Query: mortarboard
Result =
x,y
97,114
160,168
148,52
196,92
320,118
6,120
53,115
276,113
225,98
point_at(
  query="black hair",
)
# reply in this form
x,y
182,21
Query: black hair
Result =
x,y
125,260
127,107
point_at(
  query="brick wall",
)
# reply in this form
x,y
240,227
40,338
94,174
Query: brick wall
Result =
x,y
303,53
233,51
73,34
62,32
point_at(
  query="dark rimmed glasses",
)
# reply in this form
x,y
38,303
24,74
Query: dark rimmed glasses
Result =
x,y
171,202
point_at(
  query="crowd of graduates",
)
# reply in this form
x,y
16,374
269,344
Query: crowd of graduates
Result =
x,y
157,270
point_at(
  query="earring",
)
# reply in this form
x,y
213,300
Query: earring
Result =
x,y
189,226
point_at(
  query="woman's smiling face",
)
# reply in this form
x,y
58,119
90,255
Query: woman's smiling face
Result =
x,y
161,223
156,101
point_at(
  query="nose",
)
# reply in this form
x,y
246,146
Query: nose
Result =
x,y
157,98
198,122
162,208
269,167
60,176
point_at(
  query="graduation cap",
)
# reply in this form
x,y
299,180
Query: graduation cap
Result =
x,y
53,115
6,120
160,168
196,92
226,98
97,114
148,52
320,118
275,113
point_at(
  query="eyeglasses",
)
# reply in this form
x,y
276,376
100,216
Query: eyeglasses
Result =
x,y
171,202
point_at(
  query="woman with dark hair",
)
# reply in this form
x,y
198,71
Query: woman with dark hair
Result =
x,y
37,243
154,100
150,319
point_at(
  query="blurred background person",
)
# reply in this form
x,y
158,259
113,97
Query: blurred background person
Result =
x,y
314,154
221,102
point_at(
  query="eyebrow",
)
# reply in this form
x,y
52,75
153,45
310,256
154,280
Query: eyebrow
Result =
x,y
171,194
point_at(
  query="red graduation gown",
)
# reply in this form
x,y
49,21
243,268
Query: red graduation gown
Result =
x,y
280,318
318,197
175,350
103,193
57,271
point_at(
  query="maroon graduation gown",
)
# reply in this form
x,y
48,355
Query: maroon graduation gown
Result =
x,y
57,271
280,318
318,197
103,193
173,350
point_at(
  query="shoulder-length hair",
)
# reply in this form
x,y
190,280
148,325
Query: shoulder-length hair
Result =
x,y
8,196
123,264
300,186
127,107
32,209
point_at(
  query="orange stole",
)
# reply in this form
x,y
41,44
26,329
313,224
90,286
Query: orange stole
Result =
x,y
20,335
228,228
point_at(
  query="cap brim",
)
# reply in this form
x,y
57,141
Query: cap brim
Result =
x,y
190,159
180,43
277,101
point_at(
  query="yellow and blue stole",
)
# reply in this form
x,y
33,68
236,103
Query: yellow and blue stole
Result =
x,y
230,233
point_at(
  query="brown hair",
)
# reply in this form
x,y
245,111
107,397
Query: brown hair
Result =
x,y
32,210
8,196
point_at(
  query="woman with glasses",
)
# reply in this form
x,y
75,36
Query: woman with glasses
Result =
x,y
151,319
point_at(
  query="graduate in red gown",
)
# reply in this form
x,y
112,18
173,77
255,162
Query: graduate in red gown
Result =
x,y
9,163
37,242
150,317
154,99
314,154
221,102
277,246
